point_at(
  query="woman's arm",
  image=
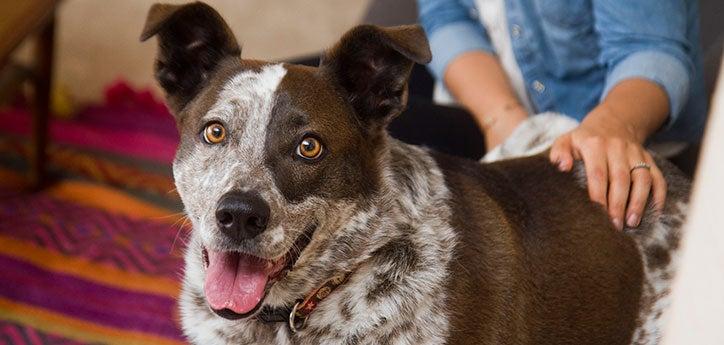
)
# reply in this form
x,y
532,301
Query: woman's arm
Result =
x,y
477,80
643,44
462,56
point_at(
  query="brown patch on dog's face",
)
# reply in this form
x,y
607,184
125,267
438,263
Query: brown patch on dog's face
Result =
x,y
308,106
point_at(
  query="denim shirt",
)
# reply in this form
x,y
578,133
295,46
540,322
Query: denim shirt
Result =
x,y
572,52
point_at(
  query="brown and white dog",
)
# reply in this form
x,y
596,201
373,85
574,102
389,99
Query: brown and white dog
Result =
x,y
312,226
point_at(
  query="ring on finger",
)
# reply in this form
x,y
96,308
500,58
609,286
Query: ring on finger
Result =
x,y
640,165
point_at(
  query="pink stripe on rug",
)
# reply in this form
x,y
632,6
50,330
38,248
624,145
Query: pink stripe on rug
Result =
x,y
128,142
108,305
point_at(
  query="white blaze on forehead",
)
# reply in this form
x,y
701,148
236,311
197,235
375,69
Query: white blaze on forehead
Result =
x,y
248,98
244,104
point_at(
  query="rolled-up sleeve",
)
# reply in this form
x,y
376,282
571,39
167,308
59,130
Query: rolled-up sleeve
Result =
x,y
646,39
451,31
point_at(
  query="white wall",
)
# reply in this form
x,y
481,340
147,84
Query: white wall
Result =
x,y
97,40
698,305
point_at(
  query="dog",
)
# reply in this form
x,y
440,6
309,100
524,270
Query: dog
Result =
x,y
311,225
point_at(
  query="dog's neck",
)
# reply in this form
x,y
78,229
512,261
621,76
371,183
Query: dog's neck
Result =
x,y
380,231
398,240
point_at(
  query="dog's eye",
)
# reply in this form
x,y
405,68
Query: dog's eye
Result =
x,y
309,148
214,133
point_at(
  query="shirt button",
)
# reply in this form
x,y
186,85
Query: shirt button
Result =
x,y
516,30
538,86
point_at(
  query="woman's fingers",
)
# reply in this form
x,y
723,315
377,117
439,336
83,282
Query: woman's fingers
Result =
x,y
640,187
593,152
608,161
620,181
659,183
561,153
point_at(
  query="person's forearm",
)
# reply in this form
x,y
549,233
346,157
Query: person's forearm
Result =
x,y
638,106
478,82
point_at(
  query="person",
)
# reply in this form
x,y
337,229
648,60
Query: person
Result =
x,y
630,72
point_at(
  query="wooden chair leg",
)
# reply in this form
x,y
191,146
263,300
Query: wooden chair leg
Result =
x,y
41,104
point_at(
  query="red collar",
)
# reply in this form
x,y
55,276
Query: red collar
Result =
x,y
297,315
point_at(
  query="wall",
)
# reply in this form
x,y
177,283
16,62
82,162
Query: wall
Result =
x,y
697,313
97,40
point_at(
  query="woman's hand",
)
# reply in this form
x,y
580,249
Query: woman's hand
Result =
x,y
614,159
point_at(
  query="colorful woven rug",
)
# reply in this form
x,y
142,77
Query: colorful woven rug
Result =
x,y
96,257
100,269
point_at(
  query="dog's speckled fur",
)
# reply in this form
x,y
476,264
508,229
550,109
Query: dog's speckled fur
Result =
x,y
439,250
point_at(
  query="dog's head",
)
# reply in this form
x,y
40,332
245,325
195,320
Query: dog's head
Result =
x,y
270,153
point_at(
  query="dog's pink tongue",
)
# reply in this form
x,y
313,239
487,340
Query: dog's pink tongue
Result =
x,y
235,281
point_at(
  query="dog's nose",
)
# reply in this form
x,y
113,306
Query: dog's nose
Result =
x,y
242,215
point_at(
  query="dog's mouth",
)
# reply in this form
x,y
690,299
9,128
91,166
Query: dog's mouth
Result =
x,y
236,283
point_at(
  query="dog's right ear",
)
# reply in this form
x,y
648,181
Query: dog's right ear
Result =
x,y
372,65
192,40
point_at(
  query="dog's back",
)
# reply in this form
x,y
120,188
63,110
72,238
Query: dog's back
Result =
x,y
539,263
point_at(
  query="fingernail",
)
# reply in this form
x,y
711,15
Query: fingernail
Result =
x,y
633,220
618,223
561,166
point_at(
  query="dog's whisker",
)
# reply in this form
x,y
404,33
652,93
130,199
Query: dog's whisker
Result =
x,y
178,232
170,215
182,218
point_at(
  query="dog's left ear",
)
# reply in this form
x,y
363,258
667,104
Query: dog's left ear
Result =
x,y
192,40
372,65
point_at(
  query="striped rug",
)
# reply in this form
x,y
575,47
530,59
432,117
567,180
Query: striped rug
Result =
x,y
82,262
95,258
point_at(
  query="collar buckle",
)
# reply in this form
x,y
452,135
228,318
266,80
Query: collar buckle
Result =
x,y
295,318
